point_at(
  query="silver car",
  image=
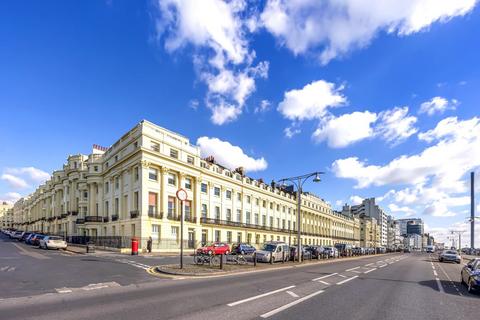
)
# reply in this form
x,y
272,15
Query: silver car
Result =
x,y
274,250
450,255
52,242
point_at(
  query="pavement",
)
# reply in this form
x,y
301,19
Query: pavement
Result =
x,y
396,286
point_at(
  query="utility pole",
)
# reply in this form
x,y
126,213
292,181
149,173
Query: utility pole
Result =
x,y
472,210
459,233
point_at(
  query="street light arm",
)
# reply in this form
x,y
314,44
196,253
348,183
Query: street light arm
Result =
x,y
303,177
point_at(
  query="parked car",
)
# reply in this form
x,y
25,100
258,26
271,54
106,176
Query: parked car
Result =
x,y
470,275
53,242
450,255
35,240
306,254
28,240
316,251
17,235
214,248
25,235
274,250
331,252
243,248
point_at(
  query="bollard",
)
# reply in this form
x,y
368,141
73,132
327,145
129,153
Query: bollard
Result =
x,y
271,258
255,259
283,256
221,261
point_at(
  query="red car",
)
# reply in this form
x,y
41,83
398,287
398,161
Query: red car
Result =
x,y
215,248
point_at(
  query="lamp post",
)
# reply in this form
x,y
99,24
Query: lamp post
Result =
x,y
298,182
182,196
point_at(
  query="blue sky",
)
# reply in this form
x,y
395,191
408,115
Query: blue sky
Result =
x,y
382,99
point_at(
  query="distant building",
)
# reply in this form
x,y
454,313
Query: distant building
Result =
x,y
6,215
370,209
416,226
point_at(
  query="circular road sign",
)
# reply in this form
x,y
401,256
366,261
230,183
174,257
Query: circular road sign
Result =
x,y
182,195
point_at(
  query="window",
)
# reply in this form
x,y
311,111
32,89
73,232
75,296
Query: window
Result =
x,y
283,223
271,222
188,209
239,237
117,184
95,168
239,196
216,191
190,159
135,144
155,231
229,236
106,208
107,185
171,206
247,216
153,174
264,203
85,195
217,213
256,218
152,202
257,201
204,188
248,199
172,179
278,222
174,153
278,207
188,183
217,235
116,158
116,206
175,233
204,210
271,205
229,214
264,220
228,194
155,146
239,215
136,173
135,200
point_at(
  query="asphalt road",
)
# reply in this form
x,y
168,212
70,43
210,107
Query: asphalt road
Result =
x,y
396,286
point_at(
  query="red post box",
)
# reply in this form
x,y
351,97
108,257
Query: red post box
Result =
x,y
134,246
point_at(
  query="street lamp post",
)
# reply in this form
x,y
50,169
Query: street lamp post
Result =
x,y
298,182
182,196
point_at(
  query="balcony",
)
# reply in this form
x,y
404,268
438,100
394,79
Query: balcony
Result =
x,y
115,217
154,214
74,213
105,219
64,215
93,219
134,214
173,217
80,221
190,218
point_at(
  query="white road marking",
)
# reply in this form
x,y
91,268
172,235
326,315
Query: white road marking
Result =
x,y
346,280
64,291
341,275
259,296
440,287
11,269
352,269
288,305
369,264
293,294
368,271
383,265
325,283
328,275
435,273
4,268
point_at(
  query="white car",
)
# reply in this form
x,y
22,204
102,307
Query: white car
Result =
x,y
53,242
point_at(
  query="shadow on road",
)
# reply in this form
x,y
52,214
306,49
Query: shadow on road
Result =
x,y
450,287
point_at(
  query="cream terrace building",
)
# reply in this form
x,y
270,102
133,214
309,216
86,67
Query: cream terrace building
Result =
x,y
6,215
128,190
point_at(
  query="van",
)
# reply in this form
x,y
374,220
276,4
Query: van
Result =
x,y
274,250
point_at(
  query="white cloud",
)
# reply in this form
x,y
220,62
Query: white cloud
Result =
x,y
396,125
291,131
229,155
437,105
217,30
346,129
334,28
408,212
356,200
435,178
14,182
312,101
263,107
10,197
23,177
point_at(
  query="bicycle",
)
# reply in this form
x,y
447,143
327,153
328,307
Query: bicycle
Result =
x,y
203,258
238,259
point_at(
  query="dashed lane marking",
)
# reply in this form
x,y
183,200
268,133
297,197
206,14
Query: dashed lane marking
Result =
x,y
439,284
232,304
346,280
341,275
291,304
368,271
293,294
369,264
383,265
351,269
324,282
323,277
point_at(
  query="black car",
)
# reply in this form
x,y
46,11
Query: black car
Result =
x,y
24,236
315,251
306,255
470,275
